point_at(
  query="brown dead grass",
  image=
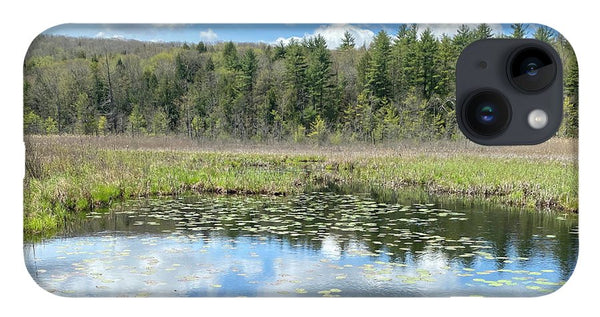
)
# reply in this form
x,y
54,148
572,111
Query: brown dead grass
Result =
x,y
554,149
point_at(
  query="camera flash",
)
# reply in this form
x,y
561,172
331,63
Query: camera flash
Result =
x,y
537,119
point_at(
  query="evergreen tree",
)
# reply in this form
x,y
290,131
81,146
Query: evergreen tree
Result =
x,y
201,47
408,46
404,64
296,80
86,123
483,32
279,51
230,56
102,127
464,36
445,67
572,99
319,76
160,123
362,70
249,67
99,89
378,80
427,51
137,123
545,34
51,126
33,123
348,41
519,30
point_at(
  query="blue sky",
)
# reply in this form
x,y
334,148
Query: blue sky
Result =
x,y
267,33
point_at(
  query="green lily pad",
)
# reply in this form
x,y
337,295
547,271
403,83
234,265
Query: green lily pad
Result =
x,y
301,291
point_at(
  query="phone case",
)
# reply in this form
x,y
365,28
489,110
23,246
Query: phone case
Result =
x,y
284,160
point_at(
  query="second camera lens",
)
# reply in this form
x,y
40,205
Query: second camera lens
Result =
x,y
532,69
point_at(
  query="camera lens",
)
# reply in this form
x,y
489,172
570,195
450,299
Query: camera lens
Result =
x,y
532,69
486,113
532,66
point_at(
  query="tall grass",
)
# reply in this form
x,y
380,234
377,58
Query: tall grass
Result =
x,y
70,175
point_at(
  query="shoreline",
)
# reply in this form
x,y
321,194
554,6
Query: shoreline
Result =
x,y
83,174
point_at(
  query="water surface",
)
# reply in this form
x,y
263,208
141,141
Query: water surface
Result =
x,y
316,244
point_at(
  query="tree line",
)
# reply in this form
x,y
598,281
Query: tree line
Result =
x,y
399,87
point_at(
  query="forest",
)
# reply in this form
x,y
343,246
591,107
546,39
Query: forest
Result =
x,y
399,87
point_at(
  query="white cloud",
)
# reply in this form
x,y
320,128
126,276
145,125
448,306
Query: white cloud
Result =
x,y
450,29
104,35
208,35
286,40
333,35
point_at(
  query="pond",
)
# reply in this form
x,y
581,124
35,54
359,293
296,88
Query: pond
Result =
x,y
315,244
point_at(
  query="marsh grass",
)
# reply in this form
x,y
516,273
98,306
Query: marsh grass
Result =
x,y
68,175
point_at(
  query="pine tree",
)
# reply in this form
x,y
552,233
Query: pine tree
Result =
x,y
348,41
464,36
86,123
51,126
32,123
572,99
427,51
544,34
404,61
519,30
249,67
319,76
279,52
483,31
160,123
378,80
99,89
362,69
201,47
230,56
445,67
296,80
137,123
318,129
102,128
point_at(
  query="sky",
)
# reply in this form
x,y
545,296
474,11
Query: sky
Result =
x,y
266,33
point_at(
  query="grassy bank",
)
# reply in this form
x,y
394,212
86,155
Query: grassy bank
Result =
x,y
66,175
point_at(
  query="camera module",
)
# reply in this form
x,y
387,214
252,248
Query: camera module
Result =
x,y
509,91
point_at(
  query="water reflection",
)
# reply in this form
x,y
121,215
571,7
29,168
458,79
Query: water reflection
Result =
x,y
317,244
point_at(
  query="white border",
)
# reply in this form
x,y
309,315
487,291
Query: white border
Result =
x,y
23,20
